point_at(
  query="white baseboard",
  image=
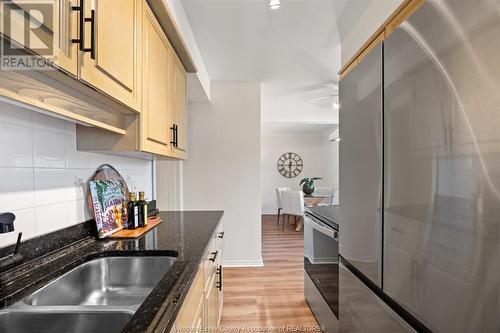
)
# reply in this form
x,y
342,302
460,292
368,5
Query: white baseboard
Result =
x,y
243,263
274,212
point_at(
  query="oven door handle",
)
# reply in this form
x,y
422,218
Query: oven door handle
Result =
x,y
319,226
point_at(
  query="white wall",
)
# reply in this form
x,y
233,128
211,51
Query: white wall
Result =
x,y
315,153
376,13
331,155
42,175
223,170
169,185
199,82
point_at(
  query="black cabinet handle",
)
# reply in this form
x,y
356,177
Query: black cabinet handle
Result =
x,y
215,256
173,143
81,35
219,273
81,32
176,136
92,34
221,235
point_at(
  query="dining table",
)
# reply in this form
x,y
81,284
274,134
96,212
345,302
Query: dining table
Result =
x,y
313,200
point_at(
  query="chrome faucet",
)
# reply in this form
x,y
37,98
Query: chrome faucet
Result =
x,y
7,225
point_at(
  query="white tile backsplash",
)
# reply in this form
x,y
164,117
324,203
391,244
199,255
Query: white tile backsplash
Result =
x,y
43,177
51,218
16,146
50,186
76,183
74,158
49,149
16,190
76,211
49,124
11,114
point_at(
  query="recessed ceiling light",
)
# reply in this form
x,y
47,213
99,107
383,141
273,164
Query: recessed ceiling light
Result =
x,y
274,4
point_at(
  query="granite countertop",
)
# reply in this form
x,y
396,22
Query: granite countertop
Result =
x,y
185,234
328,214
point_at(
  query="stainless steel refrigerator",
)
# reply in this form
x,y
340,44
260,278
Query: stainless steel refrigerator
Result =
x,y
360,158
360,227
434,234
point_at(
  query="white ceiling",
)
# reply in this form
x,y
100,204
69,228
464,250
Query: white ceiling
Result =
x,y
244,40
294,51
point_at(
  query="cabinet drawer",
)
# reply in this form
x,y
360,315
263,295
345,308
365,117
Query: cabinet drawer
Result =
x,y
212,256
212,305
219,236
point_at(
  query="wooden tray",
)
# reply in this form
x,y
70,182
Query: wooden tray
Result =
x,y
136,233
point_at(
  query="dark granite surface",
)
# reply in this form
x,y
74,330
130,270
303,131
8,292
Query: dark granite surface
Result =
x,y
42,245
185,235
328,214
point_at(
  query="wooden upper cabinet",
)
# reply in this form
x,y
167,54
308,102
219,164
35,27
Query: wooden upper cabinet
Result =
x,y
156,114
65,31
179,105
112,37
127,79
50,27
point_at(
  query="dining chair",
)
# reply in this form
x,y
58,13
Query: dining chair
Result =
x,y
326,192
336,198
297,208
286,210
279,200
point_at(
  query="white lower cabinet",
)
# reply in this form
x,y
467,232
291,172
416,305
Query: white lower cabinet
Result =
x,y
202,306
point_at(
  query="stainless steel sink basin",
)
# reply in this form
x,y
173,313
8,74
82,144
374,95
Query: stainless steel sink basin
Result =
x,y
111,281
98,296
18,321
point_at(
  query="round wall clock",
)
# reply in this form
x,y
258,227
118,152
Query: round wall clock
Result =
x,y
290,165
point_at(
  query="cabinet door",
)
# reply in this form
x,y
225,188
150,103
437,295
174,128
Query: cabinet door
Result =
x,y
65,30
114,36
220,293
191,314
199,320
179,102
156,106
211,306
47,29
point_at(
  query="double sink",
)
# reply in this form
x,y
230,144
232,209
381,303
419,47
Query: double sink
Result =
x,y
100,295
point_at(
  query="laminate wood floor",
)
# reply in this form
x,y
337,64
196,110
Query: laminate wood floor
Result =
x,y
270,298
